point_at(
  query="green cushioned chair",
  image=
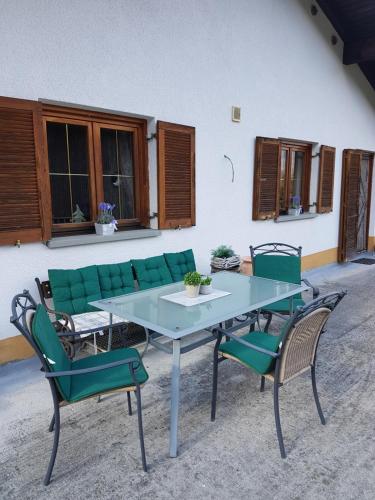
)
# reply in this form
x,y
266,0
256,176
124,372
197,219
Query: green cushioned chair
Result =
x,y
73,381
151,272
282,262
115,279
278,358
180,263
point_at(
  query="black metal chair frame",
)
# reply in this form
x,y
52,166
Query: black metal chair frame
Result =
x,y
23,304
281,249
66,330
329,301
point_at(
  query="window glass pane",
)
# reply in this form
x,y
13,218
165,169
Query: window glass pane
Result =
x,y
118,171
109,154
69,167
78,150
57,152
282,188
296,176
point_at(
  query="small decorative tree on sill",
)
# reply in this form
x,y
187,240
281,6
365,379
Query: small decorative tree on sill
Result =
x,y
78,215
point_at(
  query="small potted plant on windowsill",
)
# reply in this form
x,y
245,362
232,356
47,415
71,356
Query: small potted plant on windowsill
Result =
x,y
105,224
192,283
295,208
206,285
224,258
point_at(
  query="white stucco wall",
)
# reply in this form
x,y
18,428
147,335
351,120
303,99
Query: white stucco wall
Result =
x,y
189,61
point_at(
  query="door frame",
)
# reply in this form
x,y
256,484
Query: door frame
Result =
x,y
342,250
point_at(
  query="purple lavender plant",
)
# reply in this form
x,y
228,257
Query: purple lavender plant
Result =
x,y
105,215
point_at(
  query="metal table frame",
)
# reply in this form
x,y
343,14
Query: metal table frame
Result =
x,y
176,350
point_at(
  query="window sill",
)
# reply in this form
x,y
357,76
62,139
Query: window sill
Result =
x,y
90,239
287,218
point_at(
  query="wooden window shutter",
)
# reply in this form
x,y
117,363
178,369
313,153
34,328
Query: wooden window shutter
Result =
x,y
266,179
326,179
349,204
21,206
176,175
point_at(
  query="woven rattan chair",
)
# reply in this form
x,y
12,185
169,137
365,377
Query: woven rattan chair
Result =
x,y
279,358
73,381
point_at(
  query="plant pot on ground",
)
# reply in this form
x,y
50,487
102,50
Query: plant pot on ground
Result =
x,y
192,283
224,258
206,285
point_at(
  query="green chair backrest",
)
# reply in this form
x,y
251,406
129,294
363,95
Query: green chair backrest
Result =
x,y
73,289
115,279
180,263
278,267
151,272
49,344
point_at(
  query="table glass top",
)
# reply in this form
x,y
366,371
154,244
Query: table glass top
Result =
x,y
247,293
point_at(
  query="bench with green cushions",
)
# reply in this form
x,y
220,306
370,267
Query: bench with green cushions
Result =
x,y
73,289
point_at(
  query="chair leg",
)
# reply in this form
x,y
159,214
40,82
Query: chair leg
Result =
x,y
262,380
316,397
52,424
56,436
129,403
269,319
140,428
214,386
276,408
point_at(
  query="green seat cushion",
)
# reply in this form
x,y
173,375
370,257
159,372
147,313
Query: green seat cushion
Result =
x,y
180,263
48,342
283,306
83,386
278,267
258,361
115,279
152,272
73,289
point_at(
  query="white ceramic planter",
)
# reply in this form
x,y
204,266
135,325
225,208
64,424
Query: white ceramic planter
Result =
x,y
104,229
192,291
294,211
205,289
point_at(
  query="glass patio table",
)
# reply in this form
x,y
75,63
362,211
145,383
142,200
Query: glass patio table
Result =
x,y
149,309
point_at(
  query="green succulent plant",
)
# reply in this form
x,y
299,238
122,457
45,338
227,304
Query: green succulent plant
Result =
x,y
222,252
206,281
193,278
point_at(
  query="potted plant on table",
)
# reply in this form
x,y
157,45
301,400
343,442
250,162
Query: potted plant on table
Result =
x,y
206,285
105,224
192,283
224,258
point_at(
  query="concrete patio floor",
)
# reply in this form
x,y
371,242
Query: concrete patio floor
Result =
x,y
237,456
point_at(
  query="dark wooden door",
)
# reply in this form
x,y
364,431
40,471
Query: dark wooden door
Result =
x,y
355,204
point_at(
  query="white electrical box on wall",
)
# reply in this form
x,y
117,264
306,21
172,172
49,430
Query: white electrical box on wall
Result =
x,y
236,114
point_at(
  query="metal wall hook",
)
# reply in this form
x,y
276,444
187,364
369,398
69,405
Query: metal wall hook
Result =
x,y
227,158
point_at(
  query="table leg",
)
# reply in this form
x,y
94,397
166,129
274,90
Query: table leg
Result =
x,y
109,347
175,397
